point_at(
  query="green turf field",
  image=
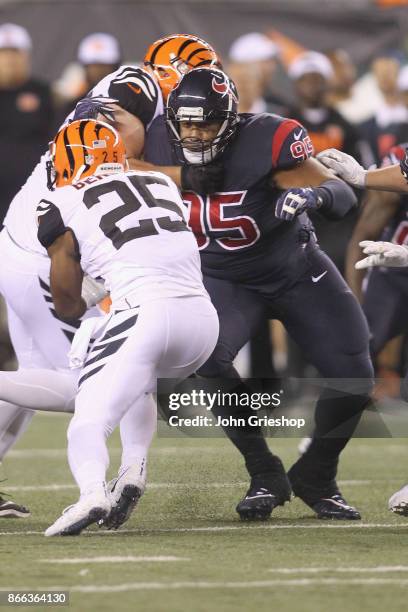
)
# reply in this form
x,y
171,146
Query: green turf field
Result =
x,y
188,551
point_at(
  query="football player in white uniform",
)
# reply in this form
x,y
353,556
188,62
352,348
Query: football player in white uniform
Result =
x,y
128,228
131,98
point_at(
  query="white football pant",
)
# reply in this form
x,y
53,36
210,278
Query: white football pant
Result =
x,y
164,338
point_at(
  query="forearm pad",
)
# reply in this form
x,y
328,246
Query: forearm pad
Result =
x,y
336,198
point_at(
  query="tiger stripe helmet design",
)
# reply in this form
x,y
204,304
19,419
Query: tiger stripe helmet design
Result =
x,y
171,57
83,148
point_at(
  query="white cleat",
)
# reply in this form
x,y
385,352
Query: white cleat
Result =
x,y
398,502
90,509
125,492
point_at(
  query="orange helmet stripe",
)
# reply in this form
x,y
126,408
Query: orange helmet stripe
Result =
x,y
174,55
83,146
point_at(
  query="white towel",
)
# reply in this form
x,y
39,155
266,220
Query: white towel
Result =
x,y
79,349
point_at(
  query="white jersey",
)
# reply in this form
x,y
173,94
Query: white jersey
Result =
x,y
21,219
138,93
132,232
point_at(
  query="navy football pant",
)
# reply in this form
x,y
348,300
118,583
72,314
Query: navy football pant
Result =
x,y
323,317
385,305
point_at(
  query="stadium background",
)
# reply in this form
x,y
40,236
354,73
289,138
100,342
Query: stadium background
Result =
x,y
364,27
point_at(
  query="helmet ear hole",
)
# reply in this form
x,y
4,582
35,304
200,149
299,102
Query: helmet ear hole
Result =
x,y
163,74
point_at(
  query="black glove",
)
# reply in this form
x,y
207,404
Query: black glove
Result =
x,y
90,108
404,165
202,179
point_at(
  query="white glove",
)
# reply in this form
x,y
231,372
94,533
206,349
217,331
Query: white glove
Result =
x,y
385,254
93,291
345,166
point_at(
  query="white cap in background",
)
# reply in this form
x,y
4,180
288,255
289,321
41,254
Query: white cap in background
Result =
x,y
403,79
13,36
311,62
99,48
253,47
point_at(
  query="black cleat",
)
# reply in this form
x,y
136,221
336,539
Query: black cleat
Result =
x,y
267,491
123,507
9,509
335,507
317,488
257,504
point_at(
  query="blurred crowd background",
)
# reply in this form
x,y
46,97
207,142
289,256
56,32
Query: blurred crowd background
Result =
x,y
339,67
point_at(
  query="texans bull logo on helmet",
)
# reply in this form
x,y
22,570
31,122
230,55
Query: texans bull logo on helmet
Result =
x,y
223,87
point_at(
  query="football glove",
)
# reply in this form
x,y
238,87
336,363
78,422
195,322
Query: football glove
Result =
x,y
91,107
345,166
93,291
404,165
385,254
295,201
203,179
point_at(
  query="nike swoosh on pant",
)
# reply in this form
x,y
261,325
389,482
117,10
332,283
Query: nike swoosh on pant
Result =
x,y
316,279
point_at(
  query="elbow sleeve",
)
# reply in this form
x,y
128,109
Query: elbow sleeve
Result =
x,y
337,199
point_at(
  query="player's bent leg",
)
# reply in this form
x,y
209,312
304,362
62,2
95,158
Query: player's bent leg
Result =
x,y
239,312
398,502
137,428
192,333
164,338
40,389
90,508
331,330
13,423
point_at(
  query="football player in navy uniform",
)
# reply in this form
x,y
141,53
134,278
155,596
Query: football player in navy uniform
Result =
x,y
384,217
387,286
259,255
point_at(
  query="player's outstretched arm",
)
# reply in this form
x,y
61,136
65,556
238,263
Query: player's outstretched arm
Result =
x,y
310,186
385,254
200,178
387,179
390,178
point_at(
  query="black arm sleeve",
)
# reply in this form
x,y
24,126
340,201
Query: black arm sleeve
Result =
x,y
50,223
336,199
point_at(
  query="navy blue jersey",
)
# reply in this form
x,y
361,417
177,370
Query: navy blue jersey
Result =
x,y
236,229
